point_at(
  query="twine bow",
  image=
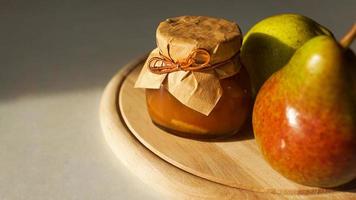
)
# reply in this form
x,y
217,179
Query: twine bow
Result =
x,y
197,60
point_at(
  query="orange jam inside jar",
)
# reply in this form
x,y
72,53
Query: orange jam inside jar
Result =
x,y
195,84
225,119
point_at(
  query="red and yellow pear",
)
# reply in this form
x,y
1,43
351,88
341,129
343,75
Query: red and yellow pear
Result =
x,y
304,117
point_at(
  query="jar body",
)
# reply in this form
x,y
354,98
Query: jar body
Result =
x,y
225,119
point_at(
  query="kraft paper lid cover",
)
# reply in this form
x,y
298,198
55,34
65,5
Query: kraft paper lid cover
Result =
x,y
198,90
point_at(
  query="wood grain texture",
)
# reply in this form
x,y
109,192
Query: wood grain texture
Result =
x,y
237,159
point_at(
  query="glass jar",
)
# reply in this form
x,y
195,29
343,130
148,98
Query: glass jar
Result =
x,y
225,119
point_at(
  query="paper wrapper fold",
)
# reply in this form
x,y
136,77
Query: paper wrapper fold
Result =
x,y
198,90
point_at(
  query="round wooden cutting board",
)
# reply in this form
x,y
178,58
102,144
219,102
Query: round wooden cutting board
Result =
x,y
185,168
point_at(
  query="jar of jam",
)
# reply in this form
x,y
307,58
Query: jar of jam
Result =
x,y
195,84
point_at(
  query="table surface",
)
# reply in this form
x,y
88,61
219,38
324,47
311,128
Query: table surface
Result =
x,y
55,60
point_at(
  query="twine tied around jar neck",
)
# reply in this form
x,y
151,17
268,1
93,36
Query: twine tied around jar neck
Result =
x,y
198,60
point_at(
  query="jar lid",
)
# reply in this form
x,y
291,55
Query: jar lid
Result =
x,y
177,38
220,37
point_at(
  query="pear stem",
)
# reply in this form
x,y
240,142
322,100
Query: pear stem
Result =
x,y
349,37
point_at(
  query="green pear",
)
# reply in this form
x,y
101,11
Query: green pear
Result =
x,y
304,117
270,44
